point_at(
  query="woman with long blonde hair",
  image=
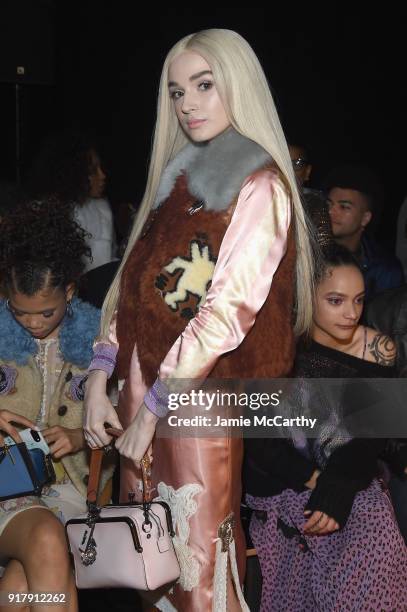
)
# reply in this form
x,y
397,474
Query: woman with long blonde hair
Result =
x,y
216,280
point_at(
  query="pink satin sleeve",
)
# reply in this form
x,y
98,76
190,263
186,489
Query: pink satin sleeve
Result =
x,y
252,248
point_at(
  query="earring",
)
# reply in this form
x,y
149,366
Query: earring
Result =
x,y
69,309
8,305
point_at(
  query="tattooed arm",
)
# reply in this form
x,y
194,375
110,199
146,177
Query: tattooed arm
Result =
x,y
380,348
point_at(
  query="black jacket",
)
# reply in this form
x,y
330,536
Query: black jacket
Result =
x,y
381,270
387,312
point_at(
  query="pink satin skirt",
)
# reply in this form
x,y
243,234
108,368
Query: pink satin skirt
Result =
x,y
200,478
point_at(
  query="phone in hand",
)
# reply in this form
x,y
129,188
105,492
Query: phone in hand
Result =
x,y
32,439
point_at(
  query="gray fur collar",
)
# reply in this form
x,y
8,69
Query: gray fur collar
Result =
x,y
215,170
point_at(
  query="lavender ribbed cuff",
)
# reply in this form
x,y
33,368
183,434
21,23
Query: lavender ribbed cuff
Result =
x,y
104,358
8,377
156,399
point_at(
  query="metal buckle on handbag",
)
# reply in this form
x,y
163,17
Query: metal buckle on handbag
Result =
x,y
89,553
4,451
147,525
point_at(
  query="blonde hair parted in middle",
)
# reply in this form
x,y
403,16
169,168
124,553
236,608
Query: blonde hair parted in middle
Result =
x,y
245,93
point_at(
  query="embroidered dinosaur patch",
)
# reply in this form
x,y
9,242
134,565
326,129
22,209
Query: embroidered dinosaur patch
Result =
x,y
185,281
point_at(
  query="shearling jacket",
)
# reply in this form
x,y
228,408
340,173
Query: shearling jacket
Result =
x,y
21,383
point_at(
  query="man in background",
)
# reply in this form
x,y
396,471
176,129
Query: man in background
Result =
x,y
354,198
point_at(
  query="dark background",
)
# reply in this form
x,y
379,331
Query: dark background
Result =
x,y
337,72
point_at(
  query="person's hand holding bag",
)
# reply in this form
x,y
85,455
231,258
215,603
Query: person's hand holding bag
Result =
x,y
137,438
98,411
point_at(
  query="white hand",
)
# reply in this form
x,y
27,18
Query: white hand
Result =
x,y
98,410
138,436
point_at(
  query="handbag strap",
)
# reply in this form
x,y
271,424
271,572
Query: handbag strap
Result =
x,y
146,475
96,458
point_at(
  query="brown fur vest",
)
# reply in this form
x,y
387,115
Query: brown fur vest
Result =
x,y
147,316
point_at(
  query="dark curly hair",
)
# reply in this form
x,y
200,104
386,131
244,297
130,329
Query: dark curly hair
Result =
x,y
41,246
62,167
335,255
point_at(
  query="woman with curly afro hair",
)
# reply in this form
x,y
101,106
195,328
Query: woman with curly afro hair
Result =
x,y
45,348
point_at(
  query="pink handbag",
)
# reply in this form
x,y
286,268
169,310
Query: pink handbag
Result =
x,y
125,545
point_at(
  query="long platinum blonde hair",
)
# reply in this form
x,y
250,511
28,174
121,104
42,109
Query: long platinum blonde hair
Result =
x,y
245,93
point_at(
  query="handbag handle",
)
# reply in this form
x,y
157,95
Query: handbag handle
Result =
x,y
146,475
96,459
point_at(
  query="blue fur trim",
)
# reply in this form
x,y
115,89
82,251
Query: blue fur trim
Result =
x,y
76,335
79,332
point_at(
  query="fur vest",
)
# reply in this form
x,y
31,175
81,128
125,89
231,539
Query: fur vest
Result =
x,y
21,381
193,218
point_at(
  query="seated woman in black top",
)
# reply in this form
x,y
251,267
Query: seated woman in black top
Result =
x,y
322,525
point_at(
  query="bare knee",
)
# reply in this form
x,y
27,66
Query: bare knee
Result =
x,y
48,543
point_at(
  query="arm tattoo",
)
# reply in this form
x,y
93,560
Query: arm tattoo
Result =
x,y
383,349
